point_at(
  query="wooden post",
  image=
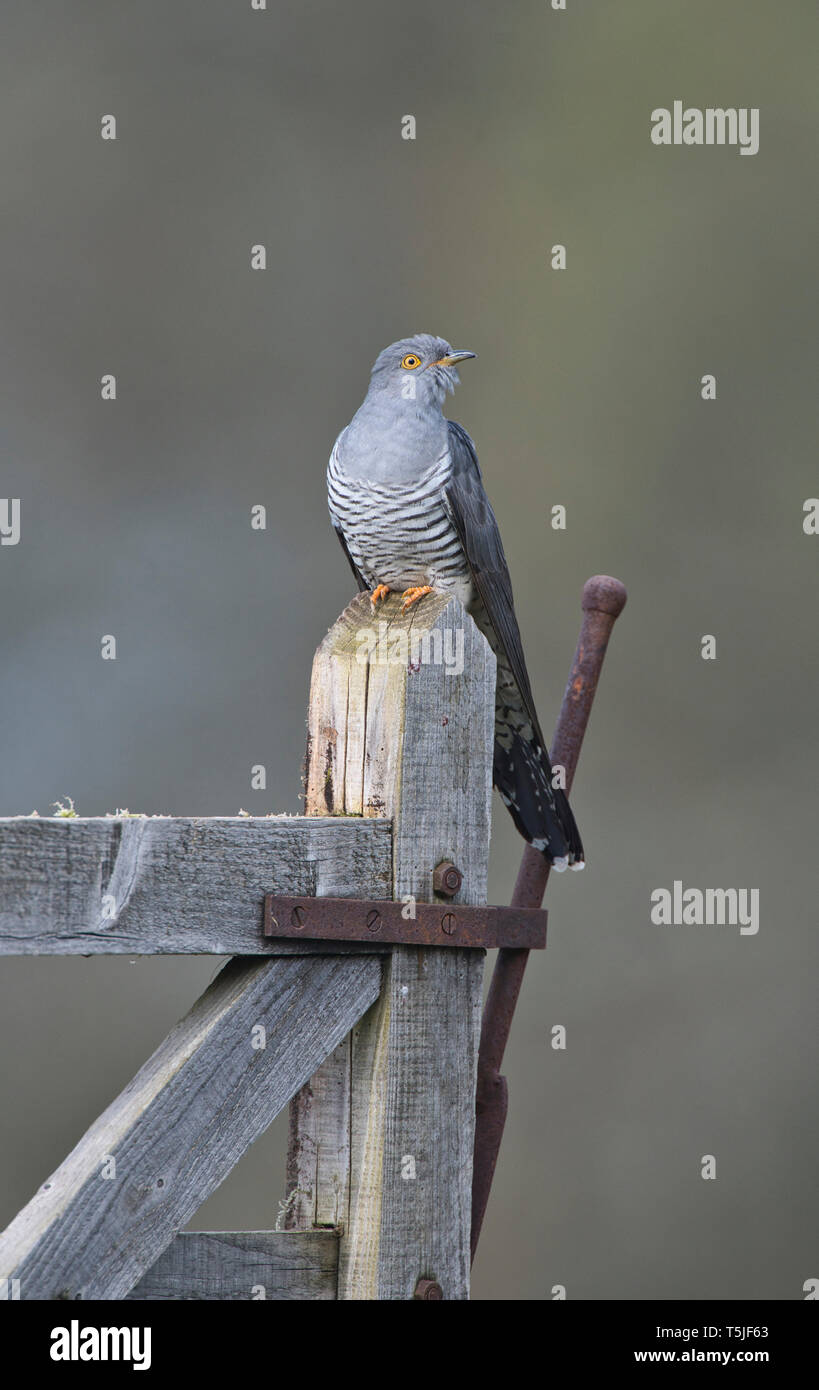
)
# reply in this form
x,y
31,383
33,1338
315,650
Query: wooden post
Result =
x,y
401,724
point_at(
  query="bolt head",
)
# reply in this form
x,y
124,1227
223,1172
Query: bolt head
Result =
x,y
447,878
427,1289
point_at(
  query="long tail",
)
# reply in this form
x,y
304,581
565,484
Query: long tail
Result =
x,y
541,812
522,770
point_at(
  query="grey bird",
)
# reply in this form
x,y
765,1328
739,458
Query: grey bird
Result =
x,y
407,501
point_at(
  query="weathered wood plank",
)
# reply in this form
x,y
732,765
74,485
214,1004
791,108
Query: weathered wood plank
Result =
x,y
318,1155
407,740
360,745
177,1130
240,1265
175,885
413,1106
318,1152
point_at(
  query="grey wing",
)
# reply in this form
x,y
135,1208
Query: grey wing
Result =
x,y
353,566
470,512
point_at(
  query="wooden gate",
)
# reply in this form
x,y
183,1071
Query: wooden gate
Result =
x,y
376,1045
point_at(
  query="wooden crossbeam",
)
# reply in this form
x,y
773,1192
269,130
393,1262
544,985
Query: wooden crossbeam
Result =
x,y
162,886
240,1265
141,1171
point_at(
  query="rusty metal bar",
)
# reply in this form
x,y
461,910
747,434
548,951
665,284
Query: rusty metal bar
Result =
x,y
433,924
603,600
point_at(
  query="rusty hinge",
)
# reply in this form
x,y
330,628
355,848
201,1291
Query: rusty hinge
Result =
x,y
433,924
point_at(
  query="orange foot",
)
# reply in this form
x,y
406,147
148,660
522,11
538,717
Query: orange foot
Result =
x,y
411,596
379,593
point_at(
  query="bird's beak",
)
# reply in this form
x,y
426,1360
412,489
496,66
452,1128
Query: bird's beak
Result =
x,y
453,358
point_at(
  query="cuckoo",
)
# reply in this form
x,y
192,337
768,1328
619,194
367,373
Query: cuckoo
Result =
x,y
407,501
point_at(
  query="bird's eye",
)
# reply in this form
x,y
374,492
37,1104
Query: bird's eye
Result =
x,y
410,362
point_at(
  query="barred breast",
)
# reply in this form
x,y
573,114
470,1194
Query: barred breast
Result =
x,y
399,534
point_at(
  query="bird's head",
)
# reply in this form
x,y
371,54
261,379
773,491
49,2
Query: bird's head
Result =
x,y
422,369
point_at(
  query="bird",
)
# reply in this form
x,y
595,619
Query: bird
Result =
x,y
407,501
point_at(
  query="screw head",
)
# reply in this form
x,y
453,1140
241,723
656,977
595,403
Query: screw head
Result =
x,y
427,1289
373,920
298,915
448,923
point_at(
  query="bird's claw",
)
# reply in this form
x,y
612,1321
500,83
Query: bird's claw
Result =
x,y
378,594
411,596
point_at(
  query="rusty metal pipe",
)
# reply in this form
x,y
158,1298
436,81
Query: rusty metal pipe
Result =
x,y
603,600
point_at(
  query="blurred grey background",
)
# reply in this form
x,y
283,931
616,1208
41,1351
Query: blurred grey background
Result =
x,y
283,127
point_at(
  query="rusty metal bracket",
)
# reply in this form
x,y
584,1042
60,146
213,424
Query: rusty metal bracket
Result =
x,y
434,924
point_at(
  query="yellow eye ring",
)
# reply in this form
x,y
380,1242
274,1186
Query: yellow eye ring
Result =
x,y
410,362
